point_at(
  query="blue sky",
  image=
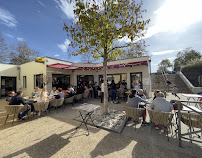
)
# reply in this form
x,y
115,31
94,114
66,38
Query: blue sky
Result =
x,y
175,25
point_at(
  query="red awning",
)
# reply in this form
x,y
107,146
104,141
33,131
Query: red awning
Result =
x,y
70,67
58,65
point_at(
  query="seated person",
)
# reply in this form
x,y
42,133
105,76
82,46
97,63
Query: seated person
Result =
x,y
161,104
53,92
69,93
10,95
43,96
134,100
36,92
17,100
155,93
141,95
61,94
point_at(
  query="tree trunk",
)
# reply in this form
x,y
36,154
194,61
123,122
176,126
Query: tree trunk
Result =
x,y
105,109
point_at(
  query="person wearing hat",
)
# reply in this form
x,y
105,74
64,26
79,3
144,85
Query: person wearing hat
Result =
x,y
155,93
161,104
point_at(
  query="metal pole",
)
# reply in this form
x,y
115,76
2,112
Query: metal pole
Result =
x,y
179,124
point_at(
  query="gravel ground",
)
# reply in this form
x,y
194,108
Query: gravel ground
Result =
x,y
54,136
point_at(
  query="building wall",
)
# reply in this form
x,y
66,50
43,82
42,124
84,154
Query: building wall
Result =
x,y
9,70
29,70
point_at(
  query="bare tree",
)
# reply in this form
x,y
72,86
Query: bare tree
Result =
x,y
3,50
22,53
135,51
87,58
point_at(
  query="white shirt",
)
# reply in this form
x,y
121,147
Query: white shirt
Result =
x,y
161,104
102,87
53,93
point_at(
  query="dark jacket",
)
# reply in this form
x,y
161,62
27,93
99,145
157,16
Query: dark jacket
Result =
x,y
17,100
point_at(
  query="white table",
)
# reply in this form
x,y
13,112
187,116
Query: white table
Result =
x,y
195,97
190,110
88,109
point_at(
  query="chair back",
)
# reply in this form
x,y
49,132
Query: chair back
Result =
x,y
13,109
134,113
76,96
80,96
38,106
85,95
54,103
69,100
192,120
158,117
60,101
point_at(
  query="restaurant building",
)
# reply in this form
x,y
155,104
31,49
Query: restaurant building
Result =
x,y
53,72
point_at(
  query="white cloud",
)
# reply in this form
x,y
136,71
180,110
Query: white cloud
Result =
x,y
175,15
66,7
165,52
42,4
56,55
20,39
7,18
9,35
64,46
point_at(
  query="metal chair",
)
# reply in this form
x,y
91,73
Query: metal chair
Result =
x,y
192,120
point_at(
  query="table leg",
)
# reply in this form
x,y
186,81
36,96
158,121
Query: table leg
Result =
x,y
85,119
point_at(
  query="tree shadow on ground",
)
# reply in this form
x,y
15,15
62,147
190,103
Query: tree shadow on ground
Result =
x,y
45,148
148,144
109,144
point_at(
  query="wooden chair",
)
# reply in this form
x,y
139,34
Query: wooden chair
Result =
x,y
134,113
162,118
13,110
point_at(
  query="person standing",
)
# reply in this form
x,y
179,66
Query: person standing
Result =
x,y
113,91
174,91
90,86
102,91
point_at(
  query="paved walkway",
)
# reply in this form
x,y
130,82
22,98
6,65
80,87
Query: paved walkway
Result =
x,y
49,136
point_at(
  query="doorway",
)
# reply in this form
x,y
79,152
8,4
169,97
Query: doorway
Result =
x,y
7,84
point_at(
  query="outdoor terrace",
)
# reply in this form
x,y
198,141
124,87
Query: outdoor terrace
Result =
x,y
49,136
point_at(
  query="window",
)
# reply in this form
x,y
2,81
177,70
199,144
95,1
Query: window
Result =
x,y
24,81
60,81
85,78
118,78
136,80
38,81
